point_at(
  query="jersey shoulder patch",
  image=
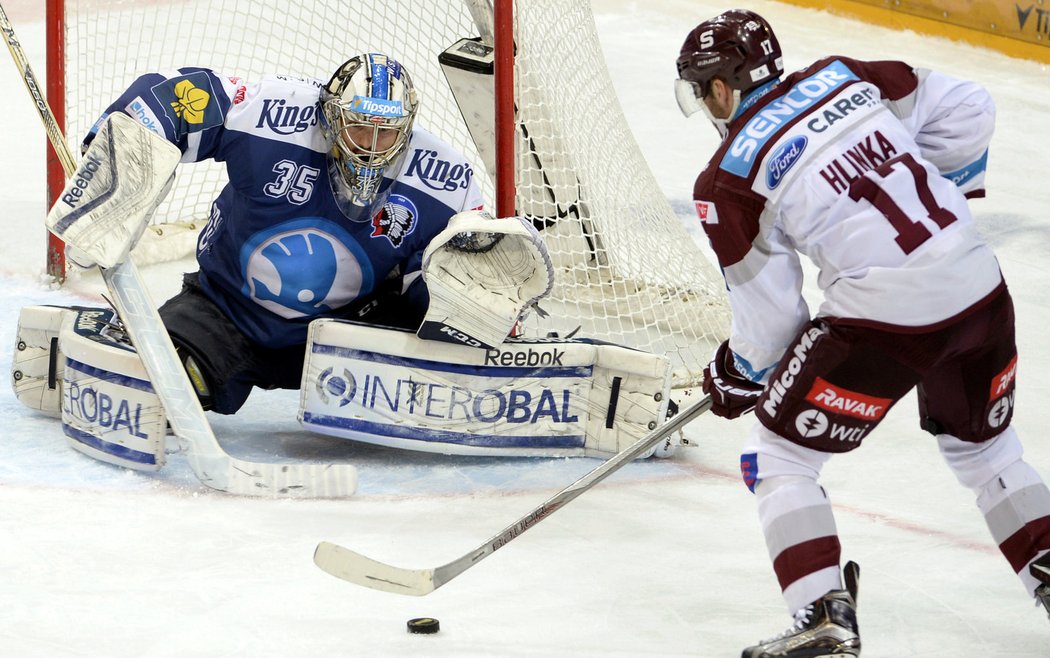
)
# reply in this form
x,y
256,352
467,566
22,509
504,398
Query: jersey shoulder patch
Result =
x,y
190,102
437,168
283,109
748,142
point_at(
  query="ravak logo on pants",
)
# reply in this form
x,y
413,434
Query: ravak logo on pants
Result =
x,y
778,388
850,403
1001,382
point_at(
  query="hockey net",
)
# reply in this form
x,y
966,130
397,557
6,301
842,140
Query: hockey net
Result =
x,y
627,270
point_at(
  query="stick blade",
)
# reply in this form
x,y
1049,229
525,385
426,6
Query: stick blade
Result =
x,y
290,480
360,570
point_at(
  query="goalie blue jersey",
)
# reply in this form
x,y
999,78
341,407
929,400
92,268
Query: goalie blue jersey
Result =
x,y
278,251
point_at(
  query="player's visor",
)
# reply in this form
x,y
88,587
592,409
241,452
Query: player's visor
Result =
x,y
689,95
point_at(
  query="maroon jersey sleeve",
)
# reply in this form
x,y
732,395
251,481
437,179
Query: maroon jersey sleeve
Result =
x,y
729,213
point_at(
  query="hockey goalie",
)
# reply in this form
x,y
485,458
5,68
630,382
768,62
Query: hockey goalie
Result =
x,y
335,263
382,385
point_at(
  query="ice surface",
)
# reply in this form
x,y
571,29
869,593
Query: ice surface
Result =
x,y
664,559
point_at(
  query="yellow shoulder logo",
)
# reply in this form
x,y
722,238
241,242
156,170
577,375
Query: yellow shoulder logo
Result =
x,y
192,102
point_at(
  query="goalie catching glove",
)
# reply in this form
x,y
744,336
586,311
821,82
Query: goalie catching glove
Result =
x,y
483,275
732,394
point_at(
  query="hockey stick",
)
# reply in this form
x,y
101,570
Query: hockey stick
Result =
x,y
356,568
211,464
54,131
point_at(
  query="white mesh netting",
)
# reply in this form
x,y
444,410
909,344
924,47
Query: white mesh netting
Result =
x,y
627,270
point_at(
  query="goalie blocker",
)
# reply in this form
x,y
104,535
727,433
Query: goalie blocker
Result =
x,y
528,398
124,175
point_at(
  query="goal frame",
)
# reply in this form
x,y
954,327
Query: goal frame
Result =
x,y
55,90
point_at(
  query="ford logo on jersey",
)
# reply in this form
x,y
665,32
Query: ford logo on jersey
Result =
x,y
782,160
304,267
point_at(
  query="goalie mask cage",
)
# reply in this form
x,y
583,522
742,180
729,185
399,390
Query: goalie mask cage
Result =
x,y
627,270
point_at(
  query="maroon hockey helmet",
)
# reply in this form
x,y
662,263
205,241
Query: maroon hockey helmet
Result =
x,y
738,46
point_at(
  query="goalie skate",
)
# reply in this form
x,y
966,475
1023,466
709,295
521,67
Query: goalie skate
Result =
x,y
826,628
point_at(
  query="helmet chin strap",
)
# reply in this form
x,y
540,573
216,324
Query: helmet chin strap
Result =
x,y
722,125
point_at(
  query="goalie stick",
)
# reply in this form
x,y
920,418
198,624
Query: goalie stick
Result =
x,y
361,570
210,463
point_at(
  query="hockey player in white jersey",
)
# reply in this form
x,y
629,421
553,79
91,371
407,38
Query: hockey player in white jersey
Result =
x,y
865,169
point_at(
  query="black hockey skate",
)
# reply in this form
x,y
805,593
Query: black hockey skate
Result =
x,y
1041,570
826,628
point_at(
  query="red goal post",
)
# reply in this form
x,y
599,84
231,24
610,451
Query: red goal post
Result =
x,y
549,142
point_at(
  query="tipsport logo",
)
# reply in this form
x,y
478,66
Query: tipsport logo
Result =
x,y
1041,23
304,268
377,107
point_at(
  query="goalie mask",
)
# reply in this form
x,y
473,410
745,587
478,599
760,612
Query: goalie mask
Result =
x,y
367,110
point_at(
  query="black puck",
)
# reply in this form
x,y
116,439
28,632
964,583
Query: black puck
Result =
x,y
424,625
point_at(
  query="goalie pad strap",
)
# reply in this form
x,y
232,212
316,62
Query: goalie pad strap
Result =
x,y
37,365
525,398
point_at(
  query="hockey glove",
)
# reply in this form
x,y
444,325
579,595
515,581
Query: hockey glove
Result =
x,y
731,393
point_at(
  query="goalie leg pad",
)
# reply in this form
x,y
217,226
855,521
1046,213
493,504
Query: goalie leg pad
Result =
x,y
109,408
524,398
